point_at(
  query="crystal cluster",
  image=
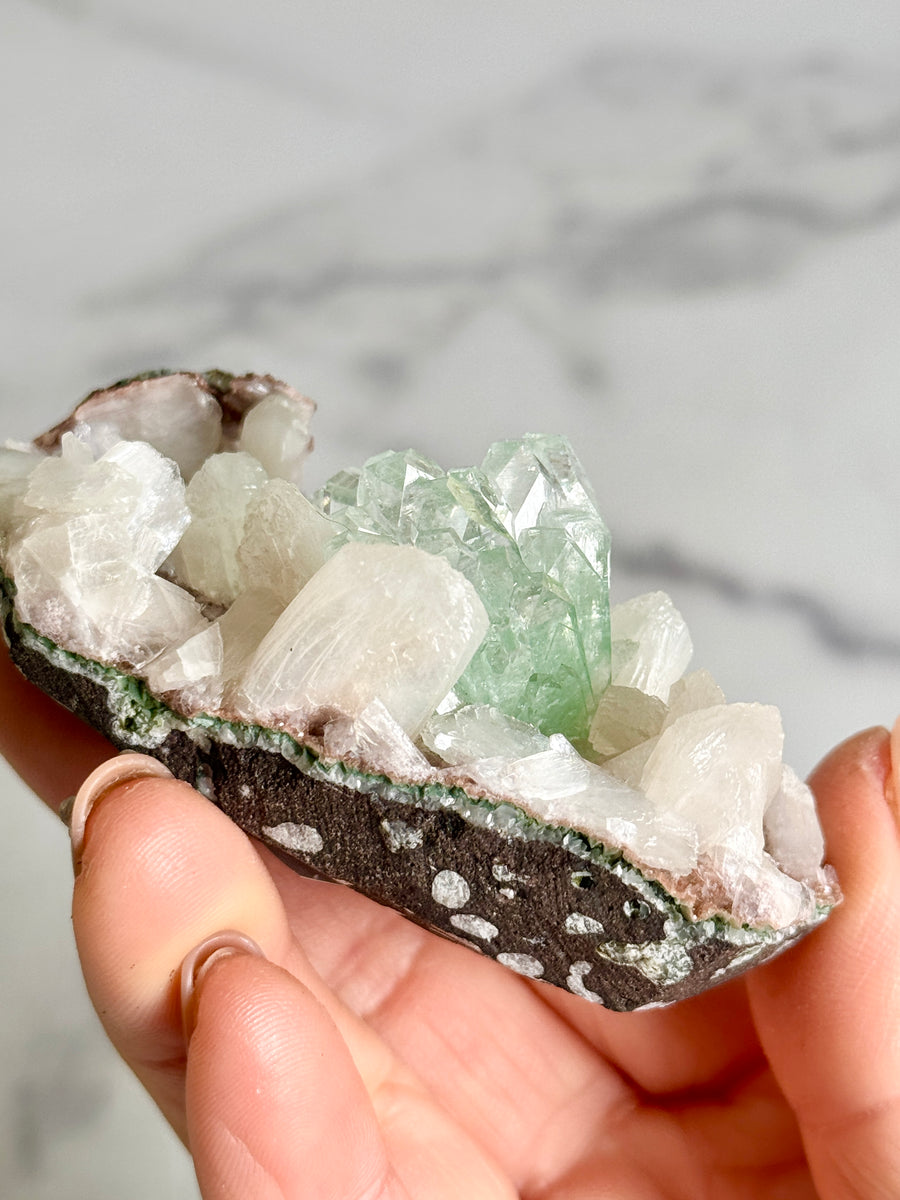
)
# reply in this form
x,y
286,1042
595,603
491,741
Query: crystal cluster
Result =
x,y
203,673
436,627
525,531
90,538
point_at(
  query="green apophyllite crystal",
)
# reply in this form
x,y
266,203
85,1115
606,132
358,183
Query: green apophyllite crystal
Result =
x,y
524,529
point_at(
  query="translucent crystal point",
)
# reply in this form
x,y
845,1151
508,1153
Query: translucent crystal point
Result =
x,y
478,731
131,485
650,649
383,485
762,894
193,669
719,768
16,465
629,765
691,693
156,515
537,477
243,628
625,717
219,496
199,674
68,482
793,834
376,622
651,644
374,737
558,786
160,612
75,586
284,540
339,492
85,557
276,432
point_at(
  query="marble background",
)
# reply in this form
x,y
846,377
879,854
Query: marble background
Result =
x,y
669,231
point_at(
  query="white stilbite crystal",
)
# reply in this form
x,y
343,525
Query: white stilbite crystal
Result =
x,y
243,628
719,768
691,693
131,488
478,731
374,737
629,766
67,482
276,432
174,414
624,717
556,774
793,834
651,646
159,613
16,465
376,622
158,514
688,694
762,894
560,787
284,540
101,607
219,495
85,557
193,669
203,669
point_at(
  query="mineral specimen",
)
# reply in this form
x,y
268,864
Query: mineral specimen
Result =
x,y
412,683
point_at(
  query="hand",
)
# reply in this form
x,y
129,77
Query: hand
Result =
x,y
365,1058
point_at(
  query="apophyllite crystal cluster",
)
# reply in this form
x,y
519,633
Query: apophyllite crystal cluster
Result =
x,y
446,630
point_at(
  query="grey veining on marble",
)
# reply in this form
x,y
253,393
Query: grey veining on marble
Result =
x,y
674,238
835,634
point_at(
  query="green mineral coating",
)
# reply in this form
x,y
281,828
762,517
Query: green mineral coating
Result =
x,y
219,381
525,531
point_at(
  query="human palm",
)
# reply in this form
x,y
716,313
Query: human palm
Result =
x,y
365,1058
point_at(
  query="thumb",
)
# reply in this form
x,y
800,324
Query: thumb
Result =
x,y
828,1013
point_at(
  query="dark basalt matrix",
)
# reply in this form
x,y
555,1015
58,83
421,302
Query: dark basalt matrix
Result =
x,y
411,683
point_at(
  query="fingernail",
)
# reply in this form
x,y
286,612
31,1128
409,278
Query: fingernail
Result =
x,y
117,770
64,812
195,965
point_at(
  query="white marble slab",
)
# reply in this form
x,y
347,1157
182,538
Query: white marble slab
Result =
x,y
671,235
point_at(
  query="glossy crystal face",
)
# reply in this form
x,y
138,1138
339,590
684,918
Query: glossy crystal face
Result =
x,y
525,531
450,628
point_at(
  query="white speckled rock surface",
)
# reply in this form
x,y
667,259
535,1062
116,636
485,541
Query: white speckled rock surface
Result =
x,y
673,239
